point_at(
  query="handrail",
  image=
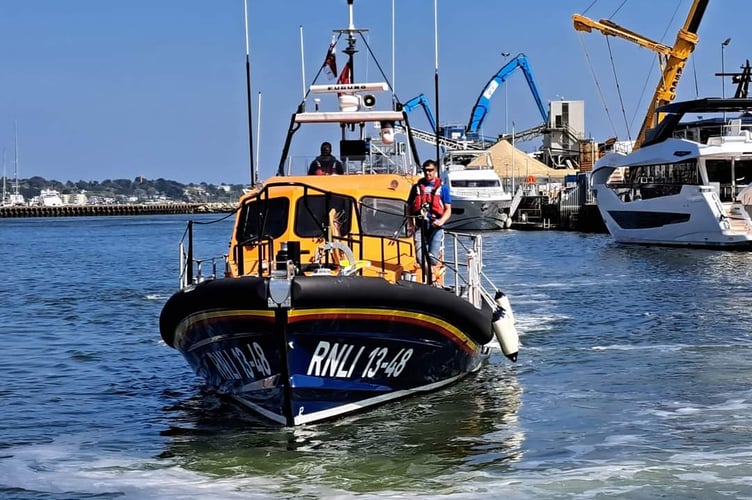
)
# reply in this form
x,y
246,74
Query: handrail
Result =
x,y
466,265
474,281
190,268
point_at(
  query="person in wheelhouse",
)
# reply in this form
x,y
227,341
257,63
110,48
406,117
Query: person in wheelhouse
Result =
x,y
326,163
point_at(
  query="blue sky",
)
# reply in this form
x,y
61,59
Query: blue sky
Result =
x,y
103,89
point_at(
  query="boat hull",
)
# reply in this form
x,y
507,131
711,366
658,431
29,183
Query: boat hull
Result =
x,y
479,214
312,360
694,217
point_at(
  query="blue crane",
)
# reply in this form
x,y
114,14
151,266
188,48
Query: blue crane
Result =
x,y
422,101
480,110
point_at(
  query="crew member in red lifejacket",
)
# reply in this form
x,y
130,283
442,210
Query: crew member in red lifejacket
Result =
x,y
326,163
430,205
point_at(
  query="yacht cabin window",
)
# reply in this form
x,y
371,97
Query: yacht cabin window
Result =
x,y
665,173
729,176
473,183
720,171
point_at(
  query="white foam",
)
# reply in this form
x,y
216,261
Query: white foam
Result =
x,y
58,469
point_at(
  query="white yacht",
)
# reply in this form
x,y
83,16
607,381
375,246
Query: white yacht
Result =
x,y
680,188
479,201
49,198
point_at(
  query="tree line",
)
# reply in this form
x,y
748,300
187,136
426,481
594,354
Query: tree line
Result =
x,y
140,188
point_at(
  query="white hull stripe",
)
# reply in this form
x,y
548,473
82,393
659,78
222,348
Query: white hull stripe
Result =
x,y
349,407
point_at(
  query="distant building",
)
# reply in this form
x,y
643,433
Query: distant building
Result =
x,y
566,128
74,199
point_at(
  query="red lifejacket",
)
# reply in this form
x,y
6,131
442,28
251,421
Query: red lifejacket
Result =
x,y
325,166
433,199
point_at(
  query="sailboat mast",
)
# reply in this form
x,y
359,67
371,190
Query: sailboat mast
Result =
x,y
15,162
4,178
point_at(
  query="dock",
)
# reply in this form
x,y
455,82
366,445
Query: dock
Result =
x,y
18,211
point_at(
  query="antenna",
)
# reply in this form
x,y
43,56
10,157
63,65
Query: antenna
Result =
x,y
351,25
436,80
15,161
258,131
394,76
254,176
302,63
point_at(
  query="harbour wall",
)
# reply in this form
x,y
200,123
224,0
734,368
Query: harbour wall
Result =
x,y
112,210
571,213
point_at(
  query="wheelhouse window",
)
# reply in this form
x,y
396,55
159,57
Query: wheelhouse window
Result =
x,y
313,213
383,217
262,218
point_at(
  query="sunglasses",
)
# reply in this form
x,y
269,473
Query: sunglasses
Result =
x,y
429,170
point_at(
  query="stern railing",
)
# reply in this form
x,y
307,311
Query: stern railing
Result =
x,y
466,268
191,269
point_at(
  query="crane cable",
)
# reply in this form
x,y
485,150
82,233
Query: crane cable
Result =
x,y
595,76
618,89
652,65
645,85
616,78
597,85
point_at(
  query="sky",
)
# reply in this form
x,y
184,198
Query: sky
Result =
x,y
99,89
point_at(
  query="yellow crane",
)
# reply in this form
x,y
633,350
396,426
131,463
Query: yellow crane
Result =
x,y
671,59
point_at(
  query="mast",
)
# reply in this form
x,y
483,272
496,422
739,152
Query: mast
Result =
x,y
350,50
394,76
513,155
436,81
254,175
15,162
2,202
258,131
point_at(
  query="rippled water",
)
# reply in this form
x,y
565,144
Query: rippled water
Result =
x,y
633,381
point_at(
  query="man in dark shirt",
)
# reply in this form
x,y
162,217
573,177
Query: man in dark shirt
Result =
x,y
326,163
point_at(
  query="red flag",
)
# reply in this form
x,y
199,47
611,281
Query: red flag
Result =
x,y
344,77
330,63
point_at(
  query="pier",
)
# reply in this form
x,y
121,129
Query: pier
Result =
x,y
114,210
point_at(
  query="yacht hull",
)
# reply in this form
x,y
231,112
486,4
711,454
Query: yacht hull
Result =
x,y
694,217
681,186
479,215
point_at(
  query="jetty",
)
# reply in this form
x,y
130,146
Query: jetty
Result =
x,y
114,209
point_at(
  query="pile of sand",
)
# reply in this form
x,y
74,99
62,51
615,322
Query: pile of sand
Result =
x,y
509,161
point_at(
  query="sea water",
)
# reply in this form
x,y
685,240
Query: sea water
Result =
x,y
633,381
